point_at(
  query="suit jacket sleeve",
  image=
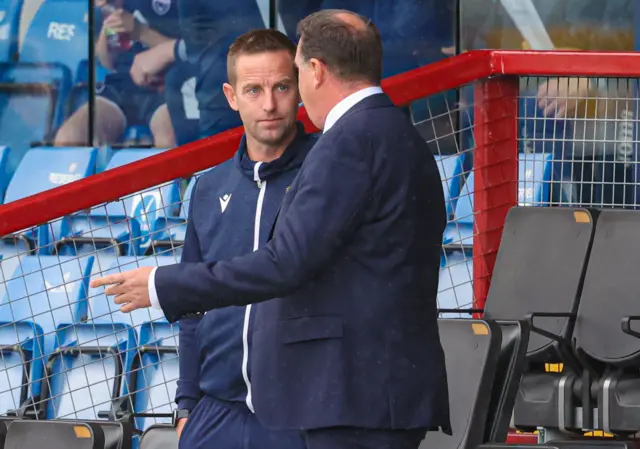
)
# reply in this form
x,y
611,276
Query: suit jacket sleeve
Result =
x,y
188,392
331,194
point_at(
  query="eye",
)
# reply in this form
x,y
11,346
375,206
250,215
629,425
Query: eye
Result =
x,y
253,90
283,87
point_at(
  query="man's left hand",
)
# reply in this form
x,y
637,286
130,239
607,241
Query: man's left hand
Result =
x,y
130,288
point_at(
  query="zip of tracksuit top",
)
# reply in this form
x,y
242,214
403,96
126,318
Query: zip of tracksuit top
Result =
x,y
232,209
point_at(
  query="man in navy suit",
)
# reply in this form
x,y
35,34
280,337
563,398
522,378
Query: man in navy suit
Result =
x,y
345,339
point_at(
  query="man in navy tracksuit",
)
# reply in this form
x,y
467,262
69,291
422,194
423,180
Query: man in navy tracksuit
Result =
x,y
232,209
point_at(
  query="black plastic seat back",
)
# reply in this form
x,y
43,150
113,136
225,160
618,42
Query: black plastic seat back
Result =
x,y
611,291
4,427
159,436
117,435
471,350
54,435
510,367
540,268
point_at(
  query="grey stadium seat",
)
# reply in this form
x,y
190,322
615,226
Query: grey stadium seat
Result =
x,y
470,346
54,435
537,279
607,334
159,436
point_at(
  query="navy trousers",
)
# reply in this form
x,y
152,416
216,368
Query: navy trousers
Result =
x,y
216,424
354,438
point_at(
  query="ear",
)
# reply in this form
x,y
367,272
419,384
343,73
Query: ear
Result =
x,y
230,93
319,71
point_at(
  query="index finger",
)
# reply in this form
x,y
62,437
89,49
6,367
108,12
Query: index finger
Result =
x,y
107,280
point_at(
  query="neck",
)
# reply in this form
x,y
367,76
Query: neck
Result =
x,y
340,91
263,152
346,89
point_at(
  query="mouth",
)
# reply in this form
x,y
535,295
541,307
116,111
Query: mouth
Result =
x,y
270,120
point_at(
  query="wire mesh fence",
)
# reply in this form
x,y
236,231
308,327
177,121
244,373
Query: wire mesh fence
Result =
x,y
68,352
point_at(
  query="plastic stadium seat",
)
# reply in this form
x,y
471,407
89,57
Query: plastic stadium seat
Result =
x,y
32,100
606,330
455,285
534,186
95,358
159,436
451,173
470,346
4,428
42,169
54,435
123,226
158,372
58,33
538,274
534,179
10,11
79,94
5,173
169,232
44,293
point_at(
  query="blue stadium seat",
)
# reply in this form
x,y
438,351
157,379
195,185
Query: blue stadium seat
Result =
x,y
534,186
455,286
79,94
158,372
9,24
123,227
168,232
451,173
58,33
44,293
32,100
42,169
534,179
96,358
459,232
5,173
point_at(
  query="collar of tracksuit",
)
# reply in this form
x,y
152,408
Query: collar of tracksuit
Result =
x,y
291,158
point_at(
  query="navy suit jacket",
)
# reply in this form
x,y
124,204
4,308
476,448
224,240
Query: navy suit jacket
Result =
x,y
351,338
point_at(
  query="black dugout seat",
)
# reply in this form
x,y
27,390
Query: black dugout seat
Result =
x,y
117,434
587,443
470,346
159,436
607,333
23,434
537,280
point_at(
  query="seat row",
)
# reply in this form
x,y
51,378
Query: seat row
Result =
x,y
68,352
563,293
77,434
154,221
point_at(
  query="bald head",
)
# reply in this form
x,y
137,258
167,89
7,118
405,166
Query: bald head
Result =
x,y
347,43
351,19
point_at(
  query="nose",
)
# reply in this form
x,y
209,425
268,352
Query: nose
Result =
x,y
269,101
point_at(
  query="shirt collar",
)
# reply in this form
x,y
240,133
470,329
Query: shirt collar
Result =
x,y
347,103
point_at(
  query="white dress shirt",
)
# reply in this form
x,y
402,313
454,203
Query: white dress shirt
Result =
x,y
347,103
332,117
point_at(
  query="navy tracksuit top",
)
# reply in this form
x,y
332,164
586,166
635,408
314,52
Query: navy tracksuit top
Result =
x,y
231,212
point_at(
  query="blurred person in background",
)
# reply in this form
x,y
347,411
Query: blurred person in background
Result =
x,y
587,124
208,28
131,33
232,210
